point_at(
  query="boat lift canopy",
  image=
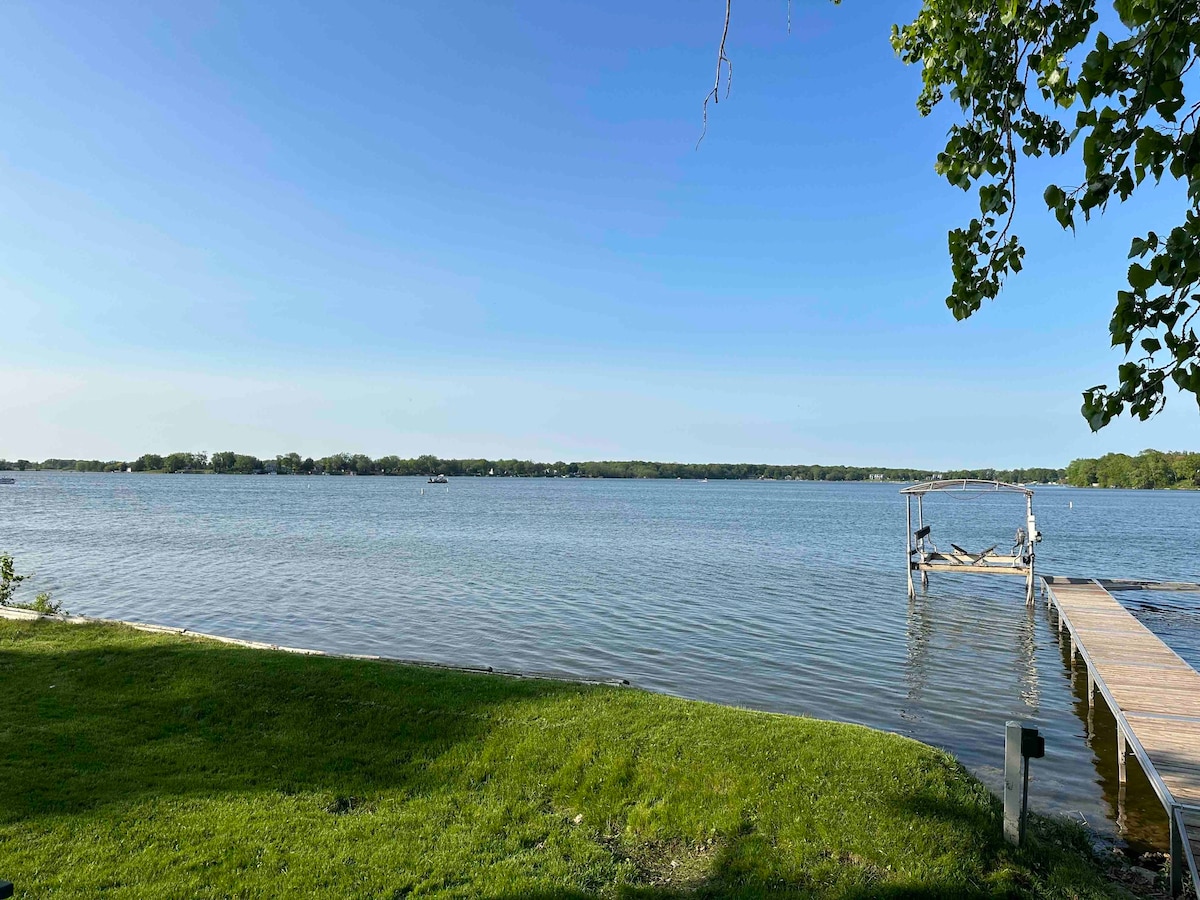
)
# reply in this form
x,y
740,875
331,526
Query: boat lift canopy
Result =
x,y
970,485
924,556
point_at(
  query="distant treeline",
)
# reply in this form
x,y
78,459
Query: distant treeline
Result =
x,y
1149,469
359,464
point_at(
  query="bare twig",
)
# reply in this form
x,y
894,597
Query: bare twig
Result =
x,y
715,94
1190,117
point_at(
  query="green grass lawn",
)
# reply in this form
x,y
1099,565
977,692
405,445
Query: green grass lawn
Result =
x,y
145,765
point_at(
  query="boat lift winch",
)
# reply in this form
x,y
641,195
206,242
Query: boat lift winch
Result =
x,y
924,557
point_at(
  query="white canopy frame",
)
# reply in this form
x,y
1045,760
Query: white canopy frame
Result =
x,y
924,557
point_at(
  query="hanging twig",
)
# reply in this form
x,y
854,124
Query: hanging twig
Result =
x,y
722,60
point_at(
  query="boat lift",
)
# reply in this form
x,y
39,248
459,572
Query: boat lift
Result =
x,y
924,557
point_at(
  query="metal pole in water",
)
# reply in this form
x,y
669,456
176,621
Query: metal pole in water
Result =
x,y
1121,753
1031,533
912,593
921,541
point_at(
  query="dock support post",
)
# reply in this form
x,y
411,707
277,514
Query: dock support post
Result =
x,y
1091,716
1031,531
1176,848
921,543
1071,645
1122,771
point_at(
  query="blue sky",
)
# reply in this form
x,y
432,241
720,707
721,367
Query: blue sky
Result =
x,y
485,229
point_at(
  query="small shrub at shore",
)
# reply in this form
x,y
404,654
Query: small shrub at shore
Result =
x,y
9,582
9,579
43,603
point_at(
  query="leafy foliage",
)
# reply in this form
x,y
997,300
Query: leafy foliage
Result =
x,y
9,579
45,604
1008,66
1149,469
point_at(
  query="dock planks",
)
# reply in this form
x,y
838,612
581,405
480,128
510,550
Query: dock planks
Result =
x,y
1154,696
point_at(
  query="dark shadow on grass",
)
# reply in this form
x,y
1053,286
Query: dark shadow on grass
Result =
x,y
748,868
119,723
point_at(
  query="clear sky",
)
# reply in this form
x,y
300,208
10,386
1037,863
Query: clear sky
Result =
x,y
484,229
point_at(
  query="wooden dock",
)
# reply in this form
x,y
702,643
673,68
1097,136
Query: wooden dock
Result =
x,y
1153,695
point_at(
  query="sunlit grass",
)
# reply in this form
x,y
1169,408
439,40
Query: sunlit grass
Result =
x,y
157,766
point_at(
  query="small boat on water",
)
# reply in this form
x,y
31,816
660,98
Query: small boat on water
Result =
x,y
438,479
7,480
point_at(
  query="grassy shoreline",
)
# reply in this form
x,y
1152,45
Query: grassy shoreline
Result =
x,y
155,765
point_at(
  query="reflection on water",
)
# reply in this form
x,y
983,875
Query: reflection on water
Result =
x,y
1027,664
788,597
920,632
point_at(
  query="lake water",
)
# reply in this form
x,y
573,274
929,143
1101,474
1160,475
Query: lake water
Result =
x,y
780,596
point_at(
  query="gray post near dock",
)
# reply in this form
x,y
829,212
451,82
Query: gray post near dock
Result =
x,y
1021,743
1014,821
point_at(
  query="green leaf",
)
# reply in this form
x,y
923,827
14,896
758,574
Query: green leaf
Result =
x,y
1087,90
1054,196
1140,278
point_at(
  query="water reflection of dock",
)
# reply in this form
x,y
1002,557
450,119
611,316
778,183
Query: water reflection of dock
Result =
x,y
1154,698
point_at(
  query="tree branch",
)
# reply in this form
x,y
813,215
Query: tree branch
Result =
x,y
722,60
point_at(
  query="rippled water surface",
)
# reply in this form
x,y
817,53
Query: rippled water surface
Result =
x,y
780,596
